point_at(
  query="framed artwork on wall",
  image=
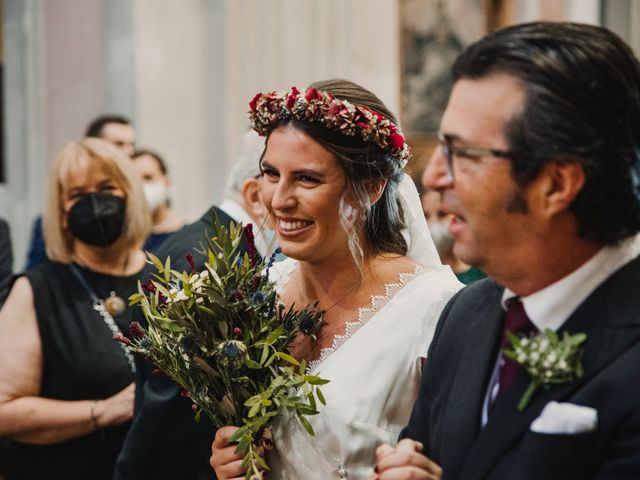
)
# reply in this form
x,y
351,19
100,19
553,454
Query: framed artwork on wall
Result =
x,y
432,34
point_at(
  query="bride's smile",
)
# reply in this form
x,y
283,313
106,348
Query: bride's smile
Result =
x,y
301,186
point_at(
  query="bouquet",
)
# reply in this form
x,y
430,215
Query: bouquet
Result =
x,y
222,335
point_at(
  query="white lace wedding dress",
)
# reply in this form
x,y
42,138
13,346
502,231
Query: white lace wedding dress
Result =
x,y
374,373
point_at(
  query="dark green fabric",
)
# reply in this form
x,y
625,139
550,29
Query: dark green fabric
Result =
x,y
472,275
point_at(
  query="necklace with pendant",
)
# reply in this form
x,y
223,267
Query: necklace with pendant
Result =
x,y
101,308
114,304
324,312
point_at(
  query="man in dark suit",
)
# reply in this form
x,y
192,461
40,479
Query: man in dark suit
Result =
x,y
539,162
164,441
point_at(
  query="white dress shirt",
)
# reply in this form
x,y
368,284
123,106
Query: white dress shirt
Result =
x,y
265,244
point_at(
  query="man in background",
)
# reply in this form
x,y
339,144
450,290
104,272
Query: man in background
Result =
x,y
114,129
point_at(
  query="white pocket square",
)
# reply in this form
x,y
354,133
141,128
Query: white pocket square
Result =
x,y
565,418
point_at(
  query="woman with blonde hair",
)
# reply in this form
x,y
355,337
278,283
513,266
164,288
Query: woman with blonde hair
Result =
x,y
66,391
351,223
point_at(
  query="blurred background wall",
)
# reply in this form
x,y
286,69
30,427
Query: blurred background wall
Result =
x,y
184,71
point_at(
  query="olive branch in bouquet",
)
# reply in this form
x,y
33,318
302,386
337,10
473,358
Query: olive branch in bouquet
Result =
x,y
222,335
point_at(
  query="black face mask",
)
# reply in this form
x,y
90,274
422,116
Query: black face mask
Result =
x,y
97,218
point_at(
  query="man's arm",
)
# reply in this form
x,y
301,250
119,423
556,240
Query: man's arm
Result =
x,y
164,441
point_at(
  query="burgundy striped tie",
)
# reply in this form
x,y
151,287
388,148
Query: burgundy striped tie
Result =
x,y
517,322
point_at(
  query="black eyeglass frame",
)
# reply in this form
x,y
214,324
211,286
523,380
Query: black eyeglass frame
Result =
x,y
449,151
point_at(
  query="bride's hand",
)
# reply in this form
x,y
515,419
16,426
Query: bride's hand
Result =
x,y
405,461
224,460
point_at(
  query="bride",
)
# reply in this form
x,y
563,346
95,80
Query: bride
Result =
x,y
352,226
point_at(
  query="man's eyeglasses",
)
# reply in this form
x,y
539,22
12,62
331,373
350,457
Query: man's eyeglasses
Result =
x,y
449,152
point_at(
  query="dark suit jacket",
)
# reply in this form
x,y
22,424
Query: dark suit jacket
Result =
x,y
446,417
164,441
6,260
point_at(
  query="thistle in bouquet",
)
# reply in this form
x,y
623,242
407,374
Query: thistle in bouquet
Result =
x,y
222,335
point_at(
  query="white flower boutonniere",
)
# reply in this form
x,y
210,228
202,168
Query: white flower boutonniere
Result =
x,y
547,359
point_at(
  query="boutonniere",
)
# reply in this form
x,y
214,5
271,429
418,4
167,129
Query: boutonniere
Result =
x,y
547,359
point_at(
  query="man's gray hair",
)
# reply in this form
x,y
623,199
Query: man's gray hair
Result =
x,y
246,166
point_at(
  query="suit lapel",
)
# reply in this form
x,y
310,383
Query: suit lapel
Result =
x,y
611,319
475,367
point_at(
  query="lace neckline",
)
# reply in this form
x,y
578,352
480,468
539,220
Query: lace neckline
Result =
x,y
365,313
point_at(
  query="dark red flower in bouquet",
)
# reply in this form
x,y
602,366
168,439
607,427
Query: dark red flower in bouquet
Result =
x,y
248,235
149,286
136,330
191,262
122,339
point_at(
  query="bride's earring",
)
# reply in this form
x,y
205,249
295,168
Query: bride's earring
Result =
x,y
348,213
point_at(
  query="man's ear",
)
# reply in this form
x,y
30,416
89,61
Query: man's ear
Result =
x,y
252,200
562,182
375,189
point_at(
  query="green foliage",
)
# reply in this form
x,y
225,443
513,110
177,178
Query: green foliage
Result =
x,y
222,335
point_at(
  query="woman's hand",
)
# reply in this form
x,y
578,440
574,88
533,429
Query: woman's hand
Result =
x,y
224,460
403,462
115,410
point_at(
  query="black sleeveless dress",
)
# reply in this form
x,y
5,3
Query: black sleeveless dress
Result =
x,y
81,361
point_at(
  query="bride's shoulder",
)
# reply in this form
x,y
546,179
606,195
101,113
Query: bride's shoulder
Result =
x,y
394,265
402,267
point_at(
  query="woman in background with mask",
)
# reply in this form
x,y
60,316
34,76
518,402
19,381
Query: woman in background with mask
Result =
x,y
66,392
156,182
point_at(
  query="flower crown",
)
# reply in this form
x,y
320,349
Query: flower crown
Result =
x,y
266,109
